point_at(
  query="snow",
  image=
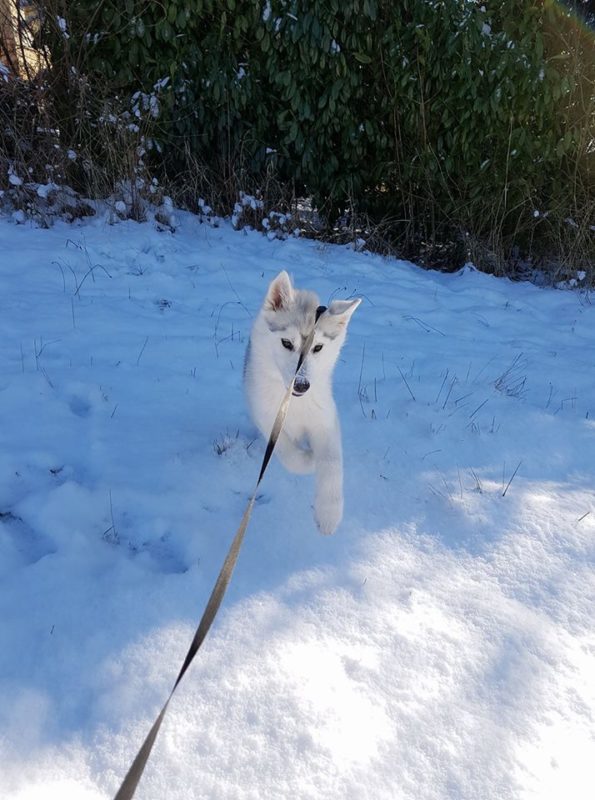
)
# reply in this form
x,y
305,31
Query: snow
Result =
x,y
439,646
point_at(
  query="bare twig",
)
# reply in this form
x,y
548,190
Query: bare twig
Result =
x,y
142,350
406,384
512,478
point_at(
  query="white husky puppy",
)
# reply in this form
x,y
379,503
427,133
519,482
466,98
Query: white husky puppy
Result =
x,y
311,437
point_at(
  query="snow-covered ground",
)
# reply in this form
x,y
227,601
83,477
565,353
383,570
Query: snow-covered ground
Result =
x,y
440,646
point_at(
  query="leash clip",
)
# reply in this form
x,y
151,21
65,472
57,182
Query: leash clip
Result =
x,y
319,312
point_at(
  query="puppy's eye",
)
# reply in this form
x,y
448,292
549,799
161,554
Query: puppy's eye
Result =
x,y
317,348
287,344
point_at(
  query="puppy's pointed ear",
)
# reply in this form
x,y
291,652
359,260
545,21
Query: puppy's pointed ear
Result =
x,y
280,293
341,310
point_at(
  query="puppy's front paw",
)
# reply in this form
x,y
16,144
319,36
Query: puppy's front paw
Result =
x,y
328,515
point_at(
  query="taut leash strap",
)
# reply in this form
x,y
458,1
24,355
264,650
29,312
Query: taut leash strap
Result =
x,y
134,774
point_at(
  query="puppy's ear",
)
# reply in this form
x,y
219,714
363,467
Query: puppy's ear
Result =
x,y
341,310
280,293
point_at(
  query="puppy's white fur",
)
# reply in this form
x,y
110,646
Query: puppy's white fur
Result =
x,y
311,437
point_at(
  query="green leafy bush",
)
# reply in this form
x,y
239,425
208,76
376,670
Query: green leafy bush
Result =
x,y
467,127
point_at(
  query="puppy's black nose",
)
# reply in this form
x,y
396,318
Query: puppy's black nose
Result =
x,y
300,386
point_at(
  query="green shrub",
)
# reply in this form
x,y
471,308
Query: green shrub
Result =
x,y
468,127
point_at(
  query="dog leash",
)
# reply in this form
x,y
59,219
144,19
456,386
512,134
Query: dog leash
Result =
x,y
134,774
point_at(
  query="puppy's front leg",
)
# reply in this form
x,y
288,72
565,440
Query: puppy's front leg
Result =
x,y
328,502
293,457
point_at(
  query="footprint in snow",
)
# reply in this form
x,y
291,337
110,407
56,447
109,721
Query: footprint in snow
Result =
x,y
163,555
79,406
22,539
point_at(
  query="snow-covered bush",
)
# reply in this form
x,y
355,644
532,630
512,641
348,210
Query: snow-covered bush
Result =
x,y
43,203
452,120
250,212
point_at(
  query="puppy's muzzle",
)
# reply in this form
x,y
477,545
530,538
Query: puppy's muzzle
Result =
x,y
300,386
